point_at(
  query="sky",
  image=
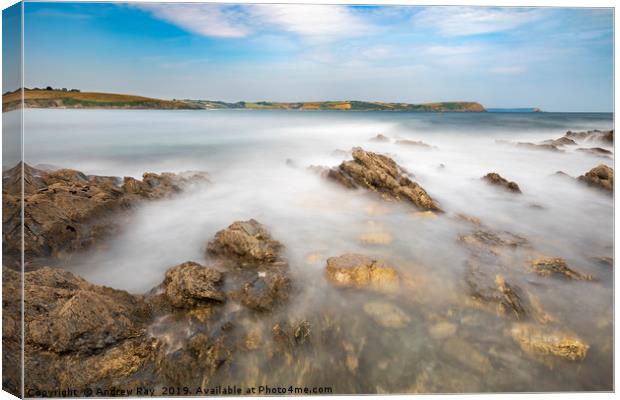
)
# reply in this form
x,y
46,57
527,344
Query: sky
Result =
x,y
558,59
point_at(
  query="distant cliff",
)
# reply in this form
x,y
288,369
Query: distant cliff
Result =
x,y
55,98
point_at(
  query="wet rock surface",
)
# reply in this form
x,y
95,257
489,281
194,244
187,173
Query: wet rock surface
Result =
x,y
380,174
362,272
545,345
601,177
66,211
555,266
496,179
190,284
247,241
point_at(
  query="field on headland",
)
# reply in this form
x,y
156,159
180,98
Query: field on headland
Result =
x,y
37,98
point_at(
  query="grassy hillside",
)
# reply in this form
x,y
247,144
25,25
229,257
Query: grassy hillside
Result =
x,y
69,99
38,98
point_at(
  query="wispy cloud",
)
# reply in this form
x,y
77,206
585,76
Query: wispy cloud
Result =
x,y
217,20
202,19
465,21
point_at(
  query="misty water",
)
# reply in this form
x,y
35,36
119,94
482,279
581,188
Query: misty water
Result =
x,y
257,164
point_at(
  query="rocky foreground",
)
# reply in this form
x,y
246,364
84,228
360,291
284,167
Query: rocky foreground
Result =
x,y
229,319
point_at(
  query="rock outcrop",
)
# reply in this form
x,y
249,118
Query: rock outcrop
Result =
x,y
497,180
190,284
381,138
555,266
247,241
414,143
383,175
67,211
545,345
362,272
601,177
604,137
596,151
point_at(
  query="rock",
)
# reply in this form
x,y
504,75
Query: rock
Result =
x,y
442,330
266,291
386,314
497,180
380,174
555,266
541,343
362,272
246,241
596,151
563,141
414,143
544,146
601,177
66,211
486,240
66,314
190,284
380,138
465,354
375,235
604,137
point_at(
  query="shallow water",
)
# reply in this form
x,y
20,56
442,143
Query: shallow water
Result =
x,y
246,153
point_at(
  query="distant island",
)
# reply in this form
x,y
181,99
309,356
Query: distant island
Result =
x,y
73,98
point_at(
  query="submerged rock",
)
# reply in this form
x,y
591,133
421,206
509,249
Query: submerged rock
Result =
x,y
380,138
386,314
383,175
465,354
596,151
543,146
563,141
555,266
487,240
190,284
66,211
497,180
541,344
414,143
601,177
246,241
605,137
362,272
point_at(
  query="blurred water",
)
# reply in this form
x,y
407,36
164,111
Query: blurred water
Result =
x,y
245,153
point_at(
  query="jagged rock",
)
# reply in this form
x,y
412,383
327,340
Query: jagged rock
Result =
x,y
266,291
563,141
555,266
380,174
380,138
386,314
66,211
535,146
66,314
486,240
190,284
497,180
362,272
542,344
415,143
601,177
596,151
605,137
246,241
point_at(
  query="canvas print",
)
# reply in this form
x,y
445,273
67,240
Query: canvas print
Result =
x,y
204,199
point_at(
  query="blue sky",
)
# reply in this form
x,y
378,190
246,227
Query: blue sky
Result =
x,y
558,59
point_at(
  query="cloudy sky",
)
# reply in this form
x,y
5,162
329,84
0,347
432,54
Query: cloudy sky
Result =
x,y
555,58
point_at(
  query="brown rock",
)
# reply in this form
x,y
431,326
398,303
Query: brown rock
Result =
x,y
596,151
246,241
601,177
415,143
381,174
66,211
543,343
190,284
563,141
605,137
497,180
544,146
268,290
362,272
555,266
380,138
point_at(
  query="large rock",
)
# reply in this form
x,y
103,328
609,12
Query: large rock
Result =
x,y
65,314
544,345
555,266
67,211
362,272
601,177
383,175
496,179
190,284
246,241
604,137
